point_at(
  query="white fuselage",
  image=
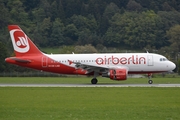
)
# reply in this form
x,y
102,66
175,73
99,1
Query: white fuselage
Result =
x,y
134,62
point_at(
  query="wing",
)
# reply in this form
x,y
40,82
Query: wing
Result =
x,y
95,68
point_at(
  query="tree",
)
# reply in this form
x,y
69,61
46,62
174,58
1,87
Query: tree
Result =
x,y
4,15
66,49
169,18
71,34
42,32
71,7
166,7
30,4
38,15
109,11
134,29
57,10
174,37
82,22
84,37
45,5
57,37
85,49
17,12
96,8
86,29
54,10
133,6
3,55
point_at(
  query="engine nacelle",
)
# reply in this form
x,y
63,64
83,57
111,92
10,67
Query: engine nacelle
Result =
x,y
116,74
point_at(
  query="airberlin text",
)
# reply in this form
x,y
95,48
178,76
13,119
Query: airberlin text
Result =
x,y
134,59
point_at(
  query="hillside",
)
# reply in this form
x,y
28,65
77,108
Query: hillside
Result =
x,y
101,25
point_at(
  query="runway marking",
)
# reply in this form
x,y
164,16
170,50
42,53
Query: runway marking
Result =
x,y
89,85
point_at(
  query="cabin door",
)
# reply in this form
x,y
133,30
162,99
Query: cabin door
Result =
x,y
44,61
150,60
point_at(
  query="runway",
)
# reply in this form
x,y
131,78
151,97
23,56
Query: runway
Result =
x,y
89,85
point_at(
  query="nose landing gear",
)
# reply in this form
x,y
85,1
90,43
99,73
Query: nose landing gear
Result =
x,y
149,77
150,81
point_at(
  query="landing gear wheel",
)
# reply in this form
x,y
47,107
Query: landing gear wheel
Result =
x,y
149,77
94,81
150,81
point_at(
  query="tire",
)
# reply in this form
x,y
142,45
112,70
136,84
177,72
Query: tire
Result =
x,y
150,81
94,81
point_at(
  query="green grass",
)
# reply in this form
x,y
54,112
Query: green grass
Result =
x,y
51,50
21,103
84,80
131,103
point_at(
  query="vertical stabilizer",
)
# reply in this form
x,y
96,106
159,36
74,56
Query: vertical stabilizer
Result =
x,y
21,42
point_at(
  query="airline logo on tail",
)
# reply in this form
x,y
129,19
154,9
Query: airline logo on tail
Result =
x,y
19,40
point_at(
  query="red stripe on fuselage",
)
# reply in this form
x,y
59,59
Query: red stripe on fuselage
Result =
x,y
44,63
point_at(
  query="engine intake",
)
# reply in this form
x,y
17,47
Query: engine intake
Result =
x,y
116,74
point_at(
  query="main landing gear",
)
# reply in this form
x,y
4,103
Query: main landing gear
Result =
x,y
149,77
94,80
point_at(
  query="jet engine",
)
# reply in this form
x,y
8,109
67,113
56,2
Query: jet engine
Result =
x,y
116,74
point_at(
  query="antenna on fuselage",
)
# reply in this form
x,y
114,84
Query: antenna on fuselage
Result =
x,y
146,50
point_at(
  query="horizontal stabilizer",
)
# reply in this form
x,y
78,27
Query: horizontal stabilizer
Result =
x,y
18,60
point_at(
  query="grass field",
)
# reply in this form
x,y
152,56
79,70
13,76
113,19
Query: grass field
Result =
x,y
86,80
51,50
131,103
89,103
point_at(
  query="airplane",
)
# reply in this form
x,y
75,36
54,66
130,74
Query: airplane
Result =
x,y
115,66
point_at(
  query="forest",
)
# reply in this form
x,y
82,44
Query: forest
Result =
x,y
86,26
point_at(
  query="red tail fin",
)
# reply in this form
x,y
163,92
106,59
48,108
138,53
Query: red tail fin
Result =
x,y
21,42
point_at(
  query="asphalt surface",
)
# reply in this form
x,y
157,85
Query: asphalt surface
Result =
x,y
89,85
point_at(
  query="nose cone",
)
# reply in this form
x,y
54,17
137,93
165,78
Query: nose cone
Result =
x,y
172,66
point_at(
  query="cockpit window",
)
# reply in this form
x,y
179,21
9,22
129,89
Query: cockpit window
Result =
x,y
163,59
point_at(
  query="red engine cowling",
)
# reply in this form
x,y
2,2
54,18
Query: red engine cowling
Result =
x,y
118,74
